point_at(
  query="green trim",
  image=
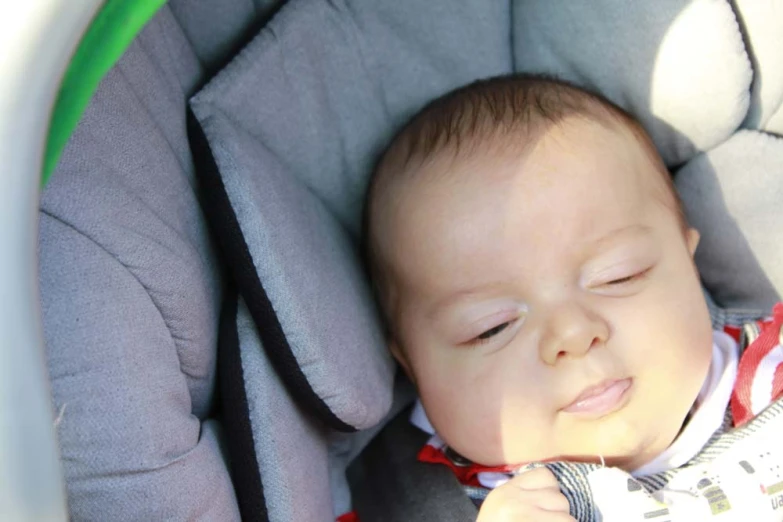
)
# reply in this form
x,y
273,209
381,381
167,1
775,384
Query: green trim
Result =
x,y
109,35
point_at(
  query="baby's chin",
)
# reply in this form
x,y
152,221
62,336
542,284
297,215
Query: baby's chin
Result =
x,y
626,461
626,450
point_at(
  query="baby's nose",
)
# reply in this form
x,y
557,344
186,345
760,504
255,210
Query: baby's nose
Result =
x,y
571,331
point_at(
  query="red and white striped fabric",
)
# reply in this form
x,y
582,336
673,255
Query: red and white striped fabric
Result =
x,y
468,474
760,373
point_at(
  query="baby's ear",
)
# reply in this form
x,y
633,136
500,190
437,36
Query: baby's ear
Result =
x,y
399,355
692,239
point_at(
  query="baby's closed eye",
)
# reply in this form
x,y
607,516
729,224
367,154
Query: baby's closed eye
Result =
x,y
492,332
492,326
629,278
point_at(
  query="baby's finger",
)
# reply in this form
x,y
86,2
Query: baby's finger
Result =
x,y
540,478
551,499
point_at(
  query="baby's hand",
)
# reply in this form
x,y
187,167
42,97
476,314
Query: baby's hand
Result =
x,y
531,496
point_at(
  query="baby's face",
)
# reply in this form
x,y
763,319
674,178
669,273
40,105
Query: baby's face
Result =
x,y
547,306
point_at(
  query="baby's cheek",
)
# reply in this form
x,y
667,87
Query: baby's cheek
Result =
x,y
517,428
695,361
468,417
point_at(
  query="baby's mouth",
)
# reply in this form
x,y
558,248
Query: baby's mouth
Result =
x,y
601,399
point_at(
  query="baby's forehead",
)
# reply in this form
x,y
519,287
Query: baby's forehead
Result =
x,y
487,154
429,180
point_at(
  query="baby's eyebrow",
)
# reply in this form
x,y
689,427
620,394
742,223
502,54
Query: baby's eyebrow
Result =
x,y
455,297
618,234
593,247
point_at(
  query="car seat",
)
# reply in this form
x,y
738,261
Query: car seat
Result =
x,y
211,344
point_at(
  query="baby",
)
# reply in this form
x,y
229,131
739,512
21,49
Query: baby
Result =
x,y
535,271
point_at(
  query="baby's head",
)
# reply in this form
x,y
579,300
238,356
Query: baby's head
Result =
x,y
536,274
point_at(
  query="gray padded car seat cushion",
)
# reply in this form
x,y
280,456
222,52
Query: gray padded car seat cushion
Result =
x,y
131,293
131,290
721,194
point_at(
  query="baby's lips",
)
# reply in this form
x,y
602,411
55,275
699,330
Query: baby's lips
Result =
x,y
600,399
